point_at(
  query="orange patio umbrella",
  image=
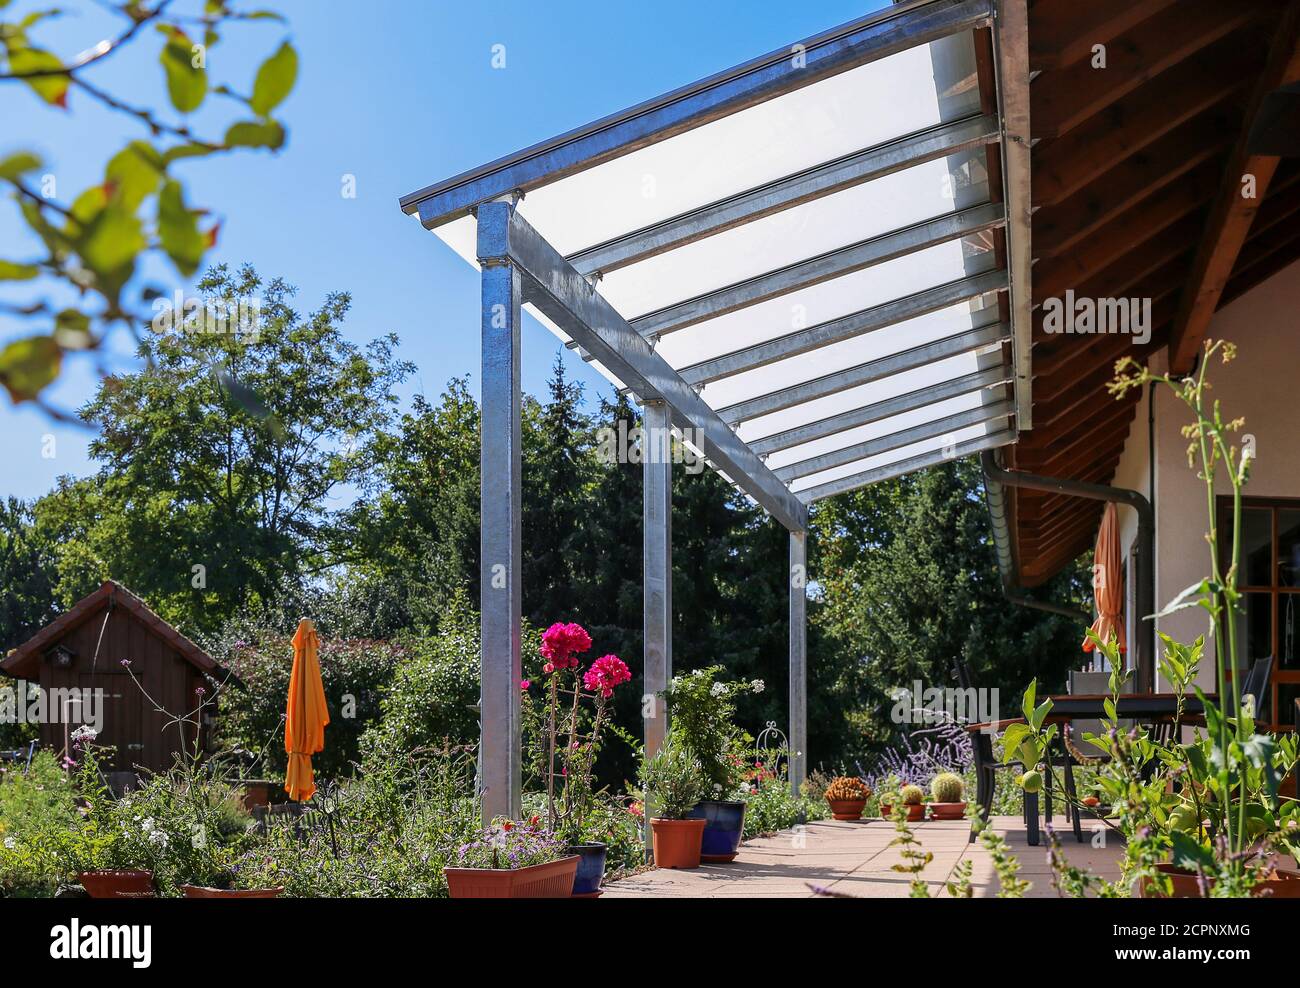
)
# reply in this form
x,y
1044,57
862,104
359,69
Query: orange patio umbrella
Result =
x,y
1108,582
306,716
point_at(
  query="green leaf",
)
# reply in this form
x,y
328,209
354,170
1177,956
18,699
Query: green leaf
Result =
x,y
28,365
111,241
10,271
1189,852
51,88
181,151
134,173
178,229
1027,703
187,84
275,80
1040,712
256,135
18,164
1184,599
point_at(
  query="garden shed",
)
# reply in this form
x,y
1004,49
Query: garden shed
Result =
x,y
77,660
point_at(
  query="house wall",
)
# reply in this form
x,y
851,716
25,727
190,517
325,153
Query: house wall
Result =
x,y
1262,385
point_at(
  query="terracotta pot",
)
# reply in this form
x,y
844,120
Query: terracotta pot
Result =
x,y
1284,884
947,811
915,812
118,884
552,880
677,842
203,892
257,792
847,809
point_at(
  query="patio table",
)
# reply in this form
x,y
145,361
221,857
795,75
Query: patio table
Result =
x,y
1067,707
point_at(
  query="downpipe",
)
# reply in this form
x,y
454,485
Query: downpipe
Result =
x,y
1145,663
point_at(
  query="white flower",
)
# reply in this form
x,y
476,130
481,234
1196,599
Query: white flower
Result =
x,y
147,825
84,733
158,837
758,686
9,843
717,689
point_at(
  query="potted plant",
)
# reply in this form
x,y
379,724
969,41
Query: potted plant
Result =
x,y
108,859
571,736
673,781
703,709
946,790
912,797
847,796
512,861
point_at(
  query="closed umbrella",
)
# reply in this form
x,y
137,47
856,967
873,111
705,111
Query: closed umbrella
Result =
x,y
306,716
1108,582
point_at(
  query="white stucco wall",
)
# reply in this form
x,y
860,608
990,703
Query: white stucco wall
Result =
x,y
1263,386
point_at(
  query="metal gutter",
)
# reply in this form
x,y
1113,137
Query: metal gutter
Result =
x,y
996,477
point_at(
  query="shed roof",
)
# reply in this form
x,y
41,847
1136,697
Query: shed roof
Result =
x,y
23,662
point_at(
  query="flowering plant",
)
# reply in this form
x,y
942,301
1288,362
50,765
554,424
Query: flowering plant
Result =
x,y
509,845
572,737
702,710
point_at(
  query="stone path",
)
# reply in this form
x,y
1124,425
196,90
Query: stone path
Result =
x,y
856,859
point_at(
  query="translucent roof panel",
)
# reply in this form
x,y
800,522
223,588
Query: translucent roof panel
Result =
x,y
874,297
892,202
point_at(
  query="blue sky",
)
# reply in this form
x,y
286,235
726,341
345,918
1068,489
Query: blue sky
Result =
x,y
399,94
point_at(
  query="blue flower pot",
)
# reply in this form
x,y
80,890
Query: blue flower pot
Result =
x,y
591,868
724,823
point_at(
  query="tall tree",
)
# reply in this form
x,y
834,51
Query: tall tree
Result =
x,y
27,574
220,459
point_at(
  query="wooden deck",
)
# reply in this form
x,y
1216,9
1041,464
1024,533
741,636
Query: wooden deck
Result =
x,y
856,859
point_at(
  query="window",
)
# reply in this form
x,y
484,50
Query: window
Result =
x,y
1268,622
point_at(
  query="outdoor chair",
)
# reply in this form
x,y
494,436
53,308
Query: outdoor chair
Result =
x,y
24,755
987,766
1255,684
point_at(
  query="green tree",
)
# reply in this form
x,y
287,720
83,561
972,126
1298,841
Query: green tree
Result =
x,y
209,497
27,574
909,581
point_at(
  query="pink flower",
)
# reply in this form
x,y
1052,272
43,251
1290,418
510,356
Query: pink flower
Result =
x,y
605,673
524,684
560,642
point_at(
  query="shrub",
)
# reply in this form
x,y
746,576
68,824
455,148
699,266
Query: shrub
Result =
x,y
37,808
702,710
674,780
355,673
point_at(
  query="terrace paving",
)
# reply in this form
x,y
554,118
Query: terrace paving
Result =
x,y
856,859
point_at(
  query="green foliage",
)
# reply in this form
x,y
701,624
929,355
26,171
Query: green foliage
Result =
x,y
770,806
96,242
203,505
907,579
701,709
387,833
357,675
673,780
28,576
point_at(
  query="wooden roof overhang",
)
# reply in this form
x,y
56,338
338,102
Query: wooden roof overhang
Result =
x,y
1136,183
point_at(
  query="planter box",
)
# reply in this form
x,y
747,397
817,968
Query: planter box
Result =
x,y
203,892
118,884
947,811
553,880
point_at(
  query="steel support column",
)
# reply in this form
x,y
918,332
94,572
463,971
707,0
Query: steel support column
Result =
x,y
798,579
500,668
657,566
